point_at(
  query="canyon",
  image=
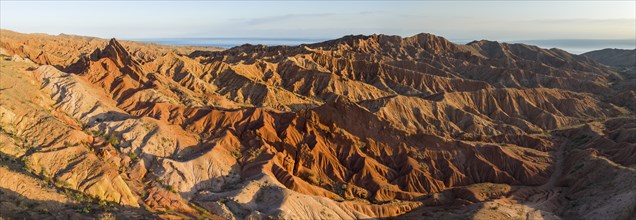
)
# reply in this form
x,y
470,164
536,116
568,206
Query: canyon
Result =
x,y
358,127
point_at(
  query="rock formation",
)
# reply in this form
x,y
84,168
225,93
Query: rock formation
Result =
x,y
358,127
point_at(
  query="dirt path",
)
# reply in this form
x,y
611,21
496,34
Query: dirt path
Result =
x,y
541,200
559,157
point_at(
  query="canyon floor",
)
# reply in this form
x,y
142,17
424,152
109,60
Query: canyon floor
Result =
x,y
353,128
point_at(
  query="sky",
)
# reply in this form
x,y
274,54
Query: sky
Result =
x,y
458,20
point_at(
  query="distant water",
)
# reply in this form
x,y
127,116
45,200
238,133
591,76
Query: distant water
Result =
x,y
230,42
577,46
582,46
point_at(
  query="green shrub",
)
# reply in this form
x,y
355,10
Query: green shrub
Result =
x,y
112,140
171,188
133,157
254,152
237,154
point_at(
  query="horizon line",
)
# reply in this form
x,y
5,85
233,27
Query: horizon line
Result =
x,y
312,38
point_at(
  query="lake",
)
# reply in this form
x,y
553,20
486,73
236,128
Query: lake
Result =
x,y
575,46
230,42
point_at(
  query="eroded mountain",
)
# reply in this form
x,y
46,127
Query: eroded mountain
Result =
x,y
358,127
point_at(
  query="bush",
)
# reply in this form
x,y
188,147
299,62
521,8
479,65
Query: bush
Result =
x,y
254,152
67,144
171,188
133,157
237,154
112,140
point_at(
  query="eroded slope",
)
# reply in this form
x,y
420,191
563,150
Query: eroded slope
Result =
x,y
358,127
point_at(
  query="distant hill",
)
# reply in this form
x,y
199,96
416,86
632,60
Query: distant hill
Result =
x,y
614,57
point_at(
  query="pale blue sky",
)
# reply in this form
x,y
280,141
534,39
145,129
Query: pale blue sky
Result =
x,y
495,20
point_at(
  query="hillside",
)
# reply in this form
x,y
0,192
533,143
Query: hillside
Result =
x,y
614,57
357,127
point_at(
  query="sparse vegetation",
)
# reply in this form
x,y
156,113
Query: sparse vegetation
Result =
x,y
254,152
199,209
222,200
171,188
340,188
88,146
133,157
45,176
309,176
67,144
112,140
520,213
237,154
27,164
